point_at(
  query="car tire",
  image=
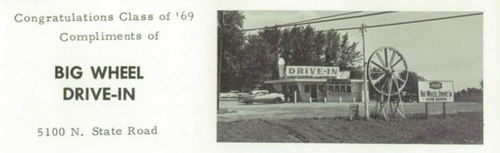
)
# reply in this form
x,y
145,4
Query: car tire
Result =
x,y
278,100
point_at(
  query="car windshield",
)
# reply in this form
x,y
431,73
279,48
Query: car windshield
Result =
x,y
260,93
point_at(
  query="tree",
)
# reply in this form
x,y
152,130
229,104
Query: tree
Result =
x,y
469,95
303,46
255,65
332,49
348,55
270,54
230,42
412,83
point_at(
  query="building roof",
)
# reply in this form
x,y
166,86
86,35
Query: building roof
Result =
x,y
292,80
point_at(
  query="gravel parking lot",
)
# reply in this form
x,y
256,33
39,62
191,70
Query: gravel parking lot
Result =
x,y
238,111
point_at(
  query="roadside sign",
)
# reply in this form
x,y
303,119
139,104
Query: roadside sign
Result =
x,y
312,71
435,91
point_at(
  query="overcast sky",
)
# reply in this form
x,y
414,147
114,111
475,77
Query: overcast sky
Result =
x,y
437,50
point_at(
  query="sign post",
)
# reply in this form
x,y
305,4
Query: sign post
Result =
x,y
444,110
426,111
434,91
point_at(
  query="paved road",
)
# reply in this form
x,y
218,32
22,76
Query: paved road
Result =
x,y
318,110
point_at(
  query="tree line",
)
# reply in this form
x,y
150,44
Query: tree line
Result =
x,y
247,60
469,95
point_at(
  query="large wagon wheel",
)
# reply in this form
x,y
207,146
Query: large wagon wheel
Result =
x,y
388,74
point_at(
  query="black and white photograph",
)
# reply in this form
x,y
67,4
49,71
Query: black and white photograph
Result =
x,y
392,77
249,76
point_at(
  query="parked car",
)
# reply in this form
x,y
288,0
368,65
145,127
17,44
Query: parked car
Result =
x,y
230,94
262,96
409,97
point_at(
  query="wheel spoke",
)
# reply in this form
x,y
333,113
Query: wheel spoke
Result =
x,y
377,65
378,79
385,59
400,59
392,57
400,79
380,59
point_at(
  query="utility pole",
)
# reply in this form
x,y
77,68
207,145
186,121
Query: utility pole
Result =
x,y
366,95
219,54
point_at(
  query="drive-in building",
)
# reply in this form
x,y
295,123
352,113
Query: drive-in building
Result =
x,y
316,84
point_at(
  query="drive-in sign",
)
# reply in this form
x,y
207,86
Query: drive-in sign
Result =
x,y
435,91
312,71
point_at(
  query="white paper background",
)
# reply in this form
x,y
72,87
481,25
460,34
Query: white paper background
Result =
x,y
178,92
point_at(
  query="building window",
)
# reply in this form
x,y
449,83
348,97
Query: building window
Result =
x,y
321,88
340,87
307,88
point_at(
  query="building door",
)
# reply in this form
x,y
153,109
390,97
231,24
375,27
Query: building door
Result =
x,y
314,92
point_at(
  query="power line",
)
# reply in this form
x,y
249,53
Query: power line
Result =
x,y
406,22
320,21
324,17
